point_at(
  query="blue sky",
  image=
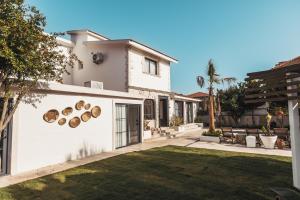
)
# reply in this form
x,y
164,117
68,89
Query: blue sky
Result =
x,y
239,35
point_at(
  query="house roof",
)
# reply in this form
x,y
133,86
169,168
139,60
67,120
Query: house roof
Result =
x,y
137,45
131,42
294,61
185,97
97,35
198,95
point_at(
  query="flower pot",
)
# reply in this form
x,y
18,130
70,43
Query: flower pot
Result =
x,y
179,128
268,141
147,134
280,143
209,139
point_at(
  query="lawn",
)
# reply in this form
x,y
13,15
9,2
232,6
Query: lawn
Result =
x,y
164,173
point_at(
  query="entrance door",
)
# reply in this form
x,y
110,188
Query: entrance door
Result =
x,y
5,139
128,128
163,112
133,124
189,112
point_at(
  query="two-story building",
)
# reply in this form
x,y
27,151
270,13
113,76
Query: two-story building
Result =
x,y
129,66
100,106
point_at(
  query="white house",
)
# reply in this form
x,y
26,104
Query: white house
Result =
x,y
129,66
100,106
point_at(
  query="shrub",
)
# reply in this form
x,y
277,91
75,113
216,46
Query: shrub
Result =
x,y
215,133
176,121
198,119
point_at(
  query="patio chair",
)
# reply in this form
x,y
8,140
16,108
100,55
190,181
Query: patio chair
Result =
x,y
254,132
227,133
283,133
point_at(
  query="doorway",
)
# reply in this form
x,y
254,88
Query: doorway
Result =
x,y
163,111
128,125
189,112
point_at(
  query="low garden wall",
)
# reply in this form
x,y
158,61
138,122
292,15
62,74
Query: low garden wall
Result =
x,y
247,121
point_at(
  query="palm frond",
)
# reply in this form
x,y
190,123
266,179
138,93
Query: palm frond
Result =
x,y
211,69
228,80
200,81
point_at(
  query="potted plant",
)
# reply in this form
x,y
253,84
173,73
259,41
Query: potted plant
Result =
x,y
280,143
268,139
176,123
211,136
147,130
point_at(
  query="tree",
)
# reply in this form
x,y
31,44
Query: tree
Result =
x,y
253,106
213,78
233,100
27,55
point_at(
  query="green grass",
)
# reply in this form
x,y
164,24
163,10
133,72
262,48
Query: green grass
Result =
x,y
163,173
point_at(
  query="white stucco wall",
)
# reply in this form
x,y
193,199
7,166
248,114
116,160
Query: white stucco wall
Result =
x,y
112,72
137,78
37,143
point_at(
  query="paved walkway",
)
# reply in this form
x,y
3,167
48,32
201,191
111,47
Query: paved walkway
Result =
x,y
189,139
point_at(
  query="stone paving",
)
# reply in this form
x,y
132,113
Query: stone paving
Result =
x,y
189,139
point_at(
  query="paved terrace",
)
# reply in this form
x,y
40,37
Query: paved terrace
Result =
x,y
188,139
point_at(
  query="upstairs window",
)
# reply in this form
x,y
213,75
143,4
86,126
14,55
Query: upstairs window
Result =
x,y
150,67
149,111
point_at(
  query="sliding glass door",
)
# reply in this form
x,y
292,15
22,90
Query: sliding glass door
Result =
x,y
128,126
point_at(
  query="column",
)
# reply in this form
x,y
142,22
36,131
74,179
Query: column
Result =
x,y
295,140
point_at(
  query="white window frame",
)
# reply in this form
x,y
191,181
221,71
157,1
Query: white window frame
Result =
x,y
147,67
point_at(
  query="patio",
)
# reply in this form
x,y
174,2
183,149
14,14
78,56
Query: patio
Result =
x,y
236,147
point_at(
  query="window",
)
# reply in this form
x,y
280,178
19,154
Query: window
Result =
x,y
80,64
150,67
149,111
178,107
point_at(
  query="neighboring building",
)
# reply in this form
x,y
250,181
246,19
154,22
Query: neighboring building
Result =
x,y
203,97
294,61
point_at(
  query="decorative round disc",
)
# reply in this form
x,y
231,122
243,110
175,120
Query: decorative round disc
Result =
x,y
67,111
96,111
87,106
86,116
51,116
62,121
79,105
74,122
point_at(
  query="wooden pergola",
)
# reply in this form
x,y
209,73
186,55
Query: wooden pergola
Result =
x,y
281,84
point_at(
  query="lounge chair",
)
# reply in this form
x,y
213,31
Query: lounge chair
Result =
x,y
227,133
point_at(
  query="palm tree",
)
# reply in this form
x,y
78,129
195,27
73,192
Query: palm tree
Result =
x,y
213,78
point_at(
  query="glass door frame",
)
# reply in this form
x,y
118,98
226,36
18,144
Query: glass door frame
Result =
x,y
126,130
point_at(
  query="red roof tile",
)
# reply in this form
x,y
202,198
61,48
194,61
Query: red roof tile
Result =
x,y
198,95
294,61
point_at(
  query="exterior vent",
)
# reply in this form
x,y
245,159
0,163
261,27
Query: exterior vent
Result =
x,y
98,58
94,84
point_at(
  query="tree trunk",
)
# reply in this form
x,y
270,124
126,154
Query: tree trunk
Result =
x,y
211,112
8,114
219,112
